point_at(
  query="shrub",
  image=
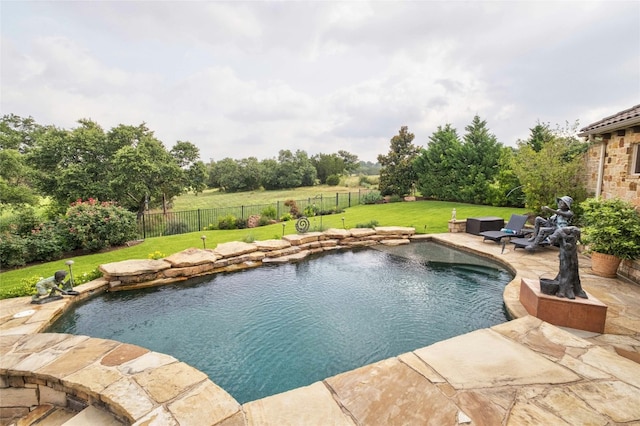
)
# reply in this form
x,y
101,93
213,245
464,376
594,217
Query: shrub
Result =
x,y
13,250
311,210
265,221
45,242
293,208
227,222
611,227
395,198
333,180
87,276
26,219
27,287
241,223
286,217
269,212
92,225
371,197
370,224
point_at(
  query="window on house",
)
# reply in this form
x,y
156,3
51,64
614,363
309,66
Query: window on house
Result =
x,y
635,160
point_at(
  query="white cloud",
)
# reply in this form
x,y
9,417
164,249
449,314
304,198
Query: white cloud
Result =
x,y
243,79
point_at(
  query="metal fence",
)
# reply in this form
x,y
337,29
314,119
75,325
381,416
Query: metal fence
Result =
x,y
180,222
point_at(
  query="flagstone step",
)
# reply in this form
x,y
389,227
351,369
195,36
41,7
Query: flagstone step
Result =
x,y
50,415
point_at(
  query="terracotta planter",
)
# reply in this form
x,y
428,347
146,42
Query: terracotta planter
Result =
x,y
604,265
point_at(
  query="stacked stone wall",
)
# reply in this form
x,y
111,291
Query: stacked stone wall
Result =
x,y
618,181
235,256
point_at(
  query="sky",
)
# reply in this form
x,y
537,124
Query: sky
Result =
x,y
248,79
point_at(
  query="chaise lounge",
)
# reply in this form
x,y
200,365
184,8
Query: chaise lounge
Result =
x,y
513,229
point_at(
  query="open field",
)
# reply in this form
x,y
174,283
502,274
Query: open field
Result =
x,y
425,216
212,198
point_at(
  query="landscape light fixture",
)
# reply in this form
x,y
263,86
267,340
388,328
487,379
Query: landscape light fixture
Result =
x,y
69,263
204,242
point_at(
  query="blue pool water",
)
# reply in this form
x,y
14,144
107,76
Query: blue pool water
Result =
x,y
274,328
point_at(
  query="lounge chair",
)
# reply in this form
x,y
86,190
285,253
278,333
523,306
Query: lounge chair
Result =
x,y
513,229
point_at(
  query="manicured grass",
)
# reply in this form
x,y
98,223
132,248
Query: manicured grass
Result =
x,y
424,216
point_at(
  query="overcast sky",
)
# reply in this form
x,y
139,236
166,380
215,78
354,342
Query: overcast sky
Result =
x,y
241,79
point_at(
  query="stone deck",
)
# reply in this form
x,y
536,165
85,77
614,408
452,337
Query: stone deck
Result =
x,y
524,371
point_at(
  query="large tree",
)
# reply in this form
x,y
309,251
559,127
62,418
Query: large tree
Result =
x,y
437,166
145,173
327,165
480,154
397,176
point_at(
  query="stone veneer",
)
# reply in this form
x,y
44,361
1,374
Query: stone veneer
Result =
x,y
617,180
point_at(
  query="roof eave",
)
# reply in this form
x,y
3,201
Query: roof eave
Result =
x,y
634,121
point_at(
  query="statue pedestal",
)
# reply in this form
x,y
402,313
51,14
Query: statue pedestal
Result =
x,y
584,314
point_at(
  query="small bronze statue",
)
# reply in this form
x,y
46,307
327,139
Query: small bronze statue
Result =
x,y
567,282
549,228
48,287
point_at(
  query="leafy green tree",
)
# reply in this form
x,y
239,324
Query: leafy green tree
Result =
x,y
71,165
187,156
15,182
269,178
437,167
506,189
540,135
480,153
236,175
397,175
327,165
351,162
145,174
18,133
553,171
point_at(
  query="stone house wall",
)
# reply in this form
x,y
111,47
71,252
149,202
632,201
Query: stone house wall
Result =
x,y
618,181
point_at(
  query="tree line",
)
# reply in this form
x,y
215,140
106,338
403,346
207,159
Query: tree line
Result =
x,y
478,169
129,165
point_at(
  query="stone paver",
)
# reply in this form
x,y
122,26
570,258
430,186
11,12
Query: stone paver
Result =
x,y
524,371
309,405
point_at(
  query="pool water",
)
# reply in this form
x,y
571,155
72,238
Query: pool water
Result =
x,y
266,330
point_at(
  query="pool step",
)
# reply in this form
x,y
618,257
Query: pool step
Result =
x,y
50,415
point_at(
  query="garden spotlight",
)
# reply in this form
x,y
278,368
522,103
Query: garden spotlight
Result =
x,y
204,242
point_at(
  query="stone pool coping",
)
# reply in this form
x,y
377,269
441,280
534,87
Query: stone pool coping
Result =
x,y
523,369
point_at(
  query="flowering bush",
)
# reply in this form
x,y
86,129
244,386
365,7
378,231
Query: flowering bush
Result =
x,y
92,225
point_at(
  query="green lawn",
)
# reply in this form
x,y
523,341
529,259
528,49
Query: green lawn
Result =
x,y
425,216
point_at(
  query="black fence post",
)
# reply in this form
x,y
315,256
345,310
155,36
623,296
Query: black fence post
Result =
x,y
199,222
144,228
349,202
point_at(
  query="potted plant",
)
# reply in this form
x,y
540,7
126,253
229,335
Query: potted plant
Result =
x,y
611,233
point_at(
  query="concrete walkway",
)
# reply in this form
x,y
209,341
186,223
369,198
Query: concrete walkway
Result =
x,y
521,372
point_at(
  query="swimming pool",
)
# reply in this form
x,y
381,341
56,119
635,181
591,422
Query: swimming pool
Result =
x,y
267,330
